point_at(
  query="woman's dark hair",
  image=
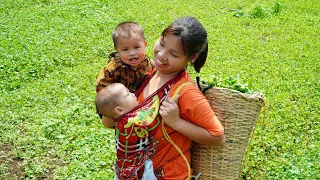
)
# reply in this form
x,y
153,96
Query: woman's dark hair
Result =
x,y
193,37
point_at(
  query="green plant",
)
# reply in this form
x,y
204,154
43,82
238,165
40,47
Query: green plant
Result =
x,y
230,82
259,12
277,7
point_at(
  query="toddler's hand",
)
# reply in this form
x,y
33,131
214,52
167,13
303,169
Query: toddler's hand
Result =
x,y
170,112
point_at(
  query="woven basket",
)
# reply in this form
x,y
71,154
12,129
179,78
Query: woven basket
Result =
x,y
238,112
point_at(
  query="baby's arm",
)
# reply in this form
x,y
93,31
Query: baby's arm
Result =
x,y
108,122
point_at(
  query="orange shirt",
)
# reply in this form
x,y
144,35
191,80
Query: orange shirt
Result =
x,y
194,108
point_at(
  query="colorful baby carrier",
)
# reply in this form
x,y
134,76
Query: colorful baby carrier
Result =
x,y
135,131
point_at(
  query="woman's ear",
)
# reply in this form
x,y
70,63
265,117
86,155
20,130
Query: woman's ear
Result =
x,y
118,110
193,59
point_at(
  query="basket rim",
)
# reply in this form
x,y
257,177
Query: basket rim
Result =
x,y
249,97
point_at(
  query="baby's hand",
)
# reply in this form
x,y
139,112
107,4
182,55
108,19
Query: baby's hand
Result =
x,y
170,112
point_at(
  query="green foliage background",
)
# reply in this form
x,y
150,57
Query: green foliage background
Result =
x,y
51,51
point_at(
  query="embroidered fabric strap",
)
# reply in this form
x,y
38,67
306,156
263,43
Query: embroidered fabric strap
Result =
x,y
166,135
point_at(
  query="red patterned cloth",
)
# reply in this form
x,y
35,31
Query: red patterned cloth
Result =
x,y
135,131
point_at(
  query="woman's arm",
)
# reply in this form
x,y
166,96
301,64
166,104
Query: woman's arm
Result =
x,y
169,110
197,133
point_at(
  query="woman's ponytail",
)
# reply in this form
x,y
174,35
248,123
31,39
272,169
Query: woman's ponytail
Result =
x,y
201,60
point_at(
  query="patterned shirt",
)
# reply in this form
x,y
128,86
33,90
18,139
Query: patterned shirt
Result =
x,y
118,72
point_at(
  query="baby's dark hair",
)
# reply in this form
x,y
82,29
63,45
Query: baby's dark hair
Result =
x,y
107,100
127,29
193,37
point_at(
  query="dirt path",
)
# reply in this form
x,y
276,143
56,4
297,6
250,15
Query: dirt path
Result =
x,y
10,165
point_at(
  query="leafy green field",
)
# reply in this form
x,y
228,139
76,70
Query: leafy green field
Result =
x,y
51,51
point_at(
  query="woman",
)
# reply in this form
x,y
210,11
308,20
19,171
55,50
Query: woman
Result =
x,y
153,140
189,117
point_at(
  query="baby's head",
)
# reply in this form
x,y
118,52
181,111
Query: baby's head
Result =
x,y
130,43
115,100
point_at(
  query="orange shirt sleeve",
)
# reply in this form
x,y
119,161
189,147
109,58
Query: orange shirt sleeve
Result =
x,y
194,107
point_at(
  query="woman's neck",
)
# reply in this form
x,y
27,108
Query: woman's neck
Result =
x,y
157,81
164,77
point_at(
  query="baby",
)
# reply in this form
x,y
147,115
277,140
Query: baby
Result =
x,y
115,100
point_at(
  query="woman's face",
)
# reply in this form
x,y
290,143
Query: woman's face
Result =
x,y
169,56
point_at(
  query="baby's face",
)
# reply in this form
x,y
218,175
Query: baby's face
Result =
x,y
131,50
127,99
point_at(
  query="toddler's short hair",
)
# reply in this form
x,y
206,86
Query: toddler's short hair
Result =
x,y
127,29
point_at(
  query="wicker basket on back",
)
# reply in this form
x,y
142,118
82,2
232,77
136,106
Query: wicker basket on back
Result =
x,y
238,112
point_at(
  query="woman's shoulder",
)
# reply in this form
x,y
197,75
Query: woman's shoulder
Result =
x,y
184,80
184,85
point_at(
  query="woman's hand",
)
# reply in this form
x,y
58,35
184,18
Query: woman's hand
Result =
x,y
170,112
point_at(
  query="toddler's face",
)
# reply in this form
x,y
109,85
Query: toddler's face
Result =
x,y
127,99
131,50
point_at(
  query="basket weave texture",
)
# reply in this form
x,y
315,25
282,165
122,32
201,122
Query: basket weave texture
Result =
x,y
238,112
